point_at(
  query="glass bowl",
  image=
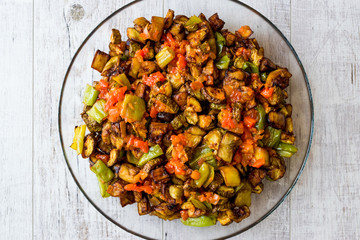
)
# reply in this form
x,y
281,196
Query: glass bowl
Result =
x,y
276,46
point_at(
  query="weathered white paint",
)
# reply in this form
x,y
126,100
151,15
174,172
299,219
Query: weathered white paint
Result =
x,y
40,200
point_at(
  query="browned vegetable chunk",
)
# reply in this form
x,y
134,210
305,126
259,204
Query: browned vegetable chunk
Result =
x,y
216,23
100,60
214,95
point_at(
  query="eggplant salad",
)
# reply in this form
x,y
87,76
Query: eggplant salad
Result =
x,y
186,120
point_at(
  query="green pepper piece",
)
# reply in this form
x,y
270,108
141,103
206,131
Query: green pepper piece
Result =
x,y
122,80
211,176
262,116
97,111
191,24
123,57
231,175
223,63
202,221
274,137
90,95
285,149
204,171
165,56
102,171
78,142
220,42
197,203
263,77
204,153
133,108
103,187
131,158
250,67
154,152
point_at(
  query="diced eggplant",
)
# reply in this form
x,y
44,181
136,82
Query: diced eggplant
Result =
x,y
166,104
277,120
213,139
89,145
91,124
194,104
140,24
279,77
169,19
157,131
100,60
144,206
160,175
216,23
114,157
164,116
126,198
228,146
150,165
214,95
115,36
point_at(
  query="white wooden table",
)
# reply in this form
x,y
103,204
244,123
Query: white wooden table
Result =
x,y
40,200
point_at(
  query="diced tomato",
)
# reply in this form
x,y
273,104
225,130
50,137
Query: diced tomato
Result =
x,y
153,112
256,163
267,92
247,146
246,135
246,158
103,157
137,143
249,121
153,79
178,139
227,121
245,53
114,114
102,87
209,197
195,175
196,85
245,31
184,214
237,158
114,96
136,188
181,62
235,96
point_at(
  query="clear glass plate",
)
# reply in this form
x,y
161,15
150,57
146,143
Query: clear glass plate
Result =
x,y
277,48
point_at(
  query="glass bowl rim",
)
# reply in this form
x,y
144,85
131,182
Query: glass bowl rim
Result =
x,y
294,181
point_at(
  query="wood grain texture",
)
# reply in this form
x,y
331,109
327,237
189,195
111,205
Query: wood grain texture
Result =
x,y
326,201
38,192
16,120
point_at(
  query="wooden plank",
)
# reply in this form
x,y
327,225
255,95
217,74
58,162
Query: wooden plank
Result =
x,y
326,202
60,209
16,121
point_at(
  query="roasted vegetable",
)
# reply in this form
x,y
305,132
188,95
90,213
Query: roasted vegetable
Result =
x,y
78,141
100,60
213,95
186,120
97,111
230,175
228,146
